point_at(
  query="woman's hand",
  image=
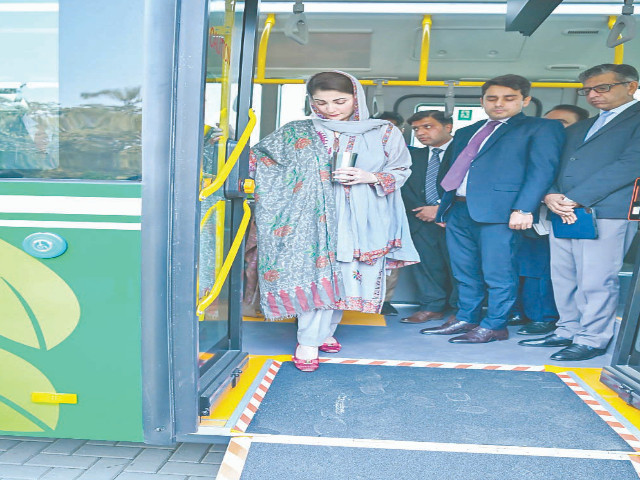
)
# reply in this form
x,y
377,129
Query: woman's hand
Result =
x,y
353,176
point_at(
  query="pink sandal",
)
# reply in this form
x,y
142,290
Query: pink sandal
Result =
x,y
330,347
305,365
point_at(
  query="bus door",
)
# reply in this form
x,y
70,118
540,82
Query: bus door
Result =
x,y
224,212
192,281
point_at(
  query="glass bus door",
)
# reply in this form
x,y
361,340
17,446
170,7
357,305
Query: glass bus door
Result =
x,y
224,214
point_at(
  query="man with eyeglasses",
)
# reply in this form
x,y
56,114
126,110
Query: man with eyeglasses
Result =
x,y
599,164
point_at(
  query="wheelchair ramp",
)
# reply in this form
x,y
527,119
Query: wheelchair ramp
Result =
x,y
377,420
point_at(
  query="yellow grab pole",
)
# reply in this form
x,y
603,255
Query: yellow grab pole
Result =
x,y
424,49
618,51
264,44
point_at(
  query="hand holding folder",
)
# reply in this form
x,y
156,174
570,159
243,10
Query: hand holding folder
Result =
x,y
584,227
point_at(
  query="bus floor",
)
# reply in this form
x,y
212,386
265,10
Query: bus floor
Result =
x,y
385,338
391,450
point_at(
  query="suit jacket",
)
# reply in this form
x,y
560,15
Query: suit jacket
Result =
x,y
600,172
413,191
513,170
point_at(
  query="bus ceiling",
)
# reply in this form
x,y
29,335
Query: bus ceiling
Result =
x,y
295,27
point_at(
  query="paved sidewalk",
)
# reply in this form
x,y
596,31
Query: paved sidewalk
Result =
x,y
26,458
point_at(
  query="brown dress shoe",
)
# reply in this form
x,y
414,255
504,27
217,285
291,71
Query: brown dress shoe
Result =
x,y
422,316
481,335
450,327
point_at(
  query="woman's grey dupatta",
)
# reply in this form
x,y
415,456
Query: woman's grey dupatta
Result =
x,y
296,222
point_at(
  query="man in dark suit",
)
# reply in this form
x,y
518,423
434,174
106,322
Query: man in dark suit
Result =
x,y
599,164
421,194
502,169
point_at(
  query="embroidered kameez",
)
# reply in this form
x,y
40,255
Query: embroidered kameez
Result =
x,y
353,234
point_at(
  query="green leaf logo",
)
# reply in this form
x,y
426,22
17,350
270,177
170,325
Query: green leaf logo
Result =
x,y
37,307
18,413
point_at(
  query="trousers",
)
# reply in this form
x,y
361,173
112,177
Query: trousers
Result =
x,y
585,281
315,326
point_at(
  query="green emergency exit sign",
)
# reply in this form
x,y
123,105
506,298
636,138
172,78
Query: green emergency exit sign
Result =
x,y
464,114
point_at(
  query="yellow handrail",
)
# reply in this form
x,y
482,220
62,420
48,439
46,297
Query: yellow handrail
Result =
x,y
422,74
618,50
233,158
424,49
418,83
226,266
264,43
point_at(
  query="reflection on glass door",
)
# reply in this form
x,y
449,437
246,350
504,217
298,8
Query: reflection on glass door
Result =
x,y
221,73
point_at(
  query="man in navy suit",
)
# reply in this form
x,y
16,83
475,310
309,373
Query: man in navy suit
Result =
x,y
421,194
502,169
599,164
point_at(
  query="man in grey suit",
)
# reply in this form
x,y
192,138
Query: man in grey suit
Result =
x,y
599,164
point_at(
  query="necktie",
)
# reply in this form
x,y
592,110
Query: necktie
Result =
x,y
430,188
599,123
460,167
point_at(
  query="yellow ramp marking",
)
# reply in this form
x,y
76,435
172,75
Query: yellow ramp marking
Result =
x,y
591,377
349,318
229,400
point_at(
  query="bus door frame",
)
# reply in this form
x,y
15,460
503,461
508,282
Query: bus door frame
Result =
x,y
172,136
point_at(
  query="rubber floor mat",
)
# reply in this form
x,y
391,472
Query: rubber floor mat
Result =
x,y
308,462
449,405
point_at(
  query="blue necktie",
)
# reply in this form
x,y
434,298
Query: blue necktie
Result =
x,y
430,188
599,123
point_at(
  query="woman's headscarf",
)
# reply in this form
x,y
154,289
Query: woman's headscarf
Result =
x,y
371,226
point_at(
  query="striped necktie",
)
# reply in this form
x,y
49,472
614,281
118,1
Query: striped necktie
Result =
x,y
430,188
599,123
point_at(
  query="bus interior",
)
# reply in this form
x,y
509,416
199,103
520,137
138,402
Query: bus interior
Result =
x,y
135,220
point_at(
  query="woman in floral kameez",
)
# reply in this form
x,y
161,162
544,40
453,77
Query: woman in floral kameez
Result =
x,y
325,246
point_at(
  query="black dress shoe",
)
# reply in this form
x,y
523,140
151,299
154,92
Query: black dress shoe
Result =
x,y
388,309
548,341
517,319
450,327
577,352
537,328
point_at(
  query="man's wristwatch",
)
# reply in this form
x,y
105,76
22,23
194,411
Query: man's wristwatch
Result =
x,y
523,212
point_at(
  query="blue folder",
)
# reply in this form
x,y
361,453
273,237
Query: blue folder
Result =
x,y
585,227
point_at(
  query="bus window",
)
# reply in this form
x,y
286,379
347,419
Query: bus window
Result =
x,y
70,100
292,99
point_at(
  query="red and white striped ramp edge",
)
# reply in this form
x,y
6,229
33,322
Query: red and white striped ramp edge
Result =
x,y
602,412
263,387
234,459
257,397
402,363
